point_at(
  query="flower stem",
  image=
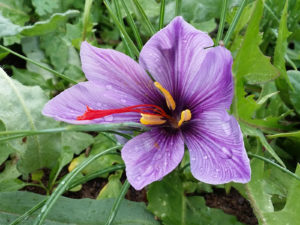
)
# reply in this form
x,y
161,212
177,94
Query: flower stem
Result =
x,y
39,65
86,16
234,22
117,203
178,7
222,22
162,14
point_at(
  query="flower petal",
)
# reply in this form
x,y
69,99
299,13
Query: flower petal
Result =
x,y
212,87
174,54
216,147
152,155
116,69
71,103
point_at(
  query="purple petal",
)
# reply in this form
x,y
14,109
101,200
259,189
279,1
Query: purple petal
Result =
x,y
152,155
174,55
117,70
71,103
216,147
212,87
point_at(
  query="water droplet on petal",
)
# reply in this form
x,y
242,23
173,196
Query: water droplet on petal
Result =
x,y
108,87
109,118
139,178
205,157
123,100
226,153
99,104
193,159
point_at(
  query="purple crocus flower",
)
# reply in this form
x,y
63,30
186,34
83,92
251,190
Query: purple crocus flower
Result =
x,y
187,104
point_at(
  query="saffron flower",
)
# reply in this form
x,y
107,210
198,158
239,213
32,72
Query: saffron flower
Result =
x,y
186,104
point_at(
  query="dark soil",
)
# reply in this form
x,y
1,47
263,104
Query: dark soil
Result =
x,y
232,203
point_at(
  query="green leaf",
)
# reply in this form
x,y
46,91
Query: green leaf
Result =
x,y
294,77
168,202
15,10
289,214
22,110
250,63
50,25
259,134
8,178
28,78
7,28
45,7
73,211
112,189
282,82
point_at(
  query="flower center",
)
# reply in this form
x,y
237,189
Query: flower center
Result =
x,y
151,114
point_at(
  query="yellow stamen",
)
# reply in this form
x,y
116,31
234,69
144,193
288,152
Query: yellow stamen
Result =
x,y
186,115
169,99
152,119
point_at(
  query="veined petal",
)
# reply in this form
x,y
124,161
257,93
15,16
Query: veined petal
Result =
x,y
212,87
174,55
152,155
216,147
113,68
71,103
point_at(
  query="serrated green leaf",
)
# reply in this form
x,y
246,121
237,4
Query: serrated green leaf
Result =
x,y
250,63
168,202
15,10
50,25
73,211
282,82
294,77
45,7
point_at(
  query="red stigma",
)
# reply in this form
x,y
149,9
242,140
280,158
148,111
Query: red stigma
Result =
x,y
149,109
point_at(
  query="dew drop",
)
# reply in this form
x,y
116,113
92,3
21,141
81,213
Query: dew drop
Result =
x,y
139,178
163,215
205,157
108,87
226,153
193,158
165,163
99,104
123,100
109,118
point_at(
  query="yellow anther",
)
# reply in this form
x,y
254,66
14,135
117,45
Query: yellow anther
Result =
x,y
147,119
169,99
186,115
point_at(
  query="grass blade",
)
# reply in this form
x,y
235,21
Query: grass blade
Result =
x,y
74,184
65,183
144,17
117,203
86,16
39,65
120,18
234,22
133,26
162,14
222,22
122,29
92,127
178,7
275,165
